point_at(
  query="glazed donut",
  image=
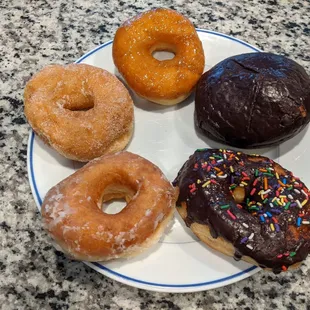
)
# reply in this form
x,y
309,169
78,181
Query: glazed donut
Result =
x,y
81,111
72,212
246,206
165,82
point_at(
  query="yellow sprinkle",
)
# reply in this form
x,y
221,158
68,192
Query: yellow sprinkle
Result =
x,y
211,157
272,227
277,175
282,196
237,158
304,202
231,168
280,203
221,150
262,197
198,181
259,204
260,192
244,183
206,184
273,199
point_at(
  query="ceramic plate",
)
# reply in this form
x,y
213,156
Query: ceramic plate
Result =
x,y
167,137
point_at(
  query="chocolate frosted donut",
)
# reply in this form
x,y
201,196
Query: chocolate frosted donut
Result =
x,y
253,100
246,206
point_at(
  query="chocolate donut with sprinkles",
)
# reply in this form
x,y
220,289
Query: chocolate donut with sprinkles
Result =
x,y
246,206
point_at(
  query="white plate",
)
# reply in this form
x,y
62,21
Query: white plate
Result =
x,y
166,136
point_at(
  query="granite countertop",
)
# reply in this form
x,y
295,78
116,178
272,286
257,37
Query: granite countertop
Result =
x,y
36,33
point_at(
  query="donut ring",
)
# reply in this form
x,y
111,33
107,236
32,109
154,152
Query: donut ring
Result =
x,y
72,212
165,82
81,111
246,206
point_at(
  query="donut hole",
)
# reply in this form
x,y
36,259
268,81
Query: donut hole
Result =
x,y
113,206
163,55
81,103
115,198
163,51
239,194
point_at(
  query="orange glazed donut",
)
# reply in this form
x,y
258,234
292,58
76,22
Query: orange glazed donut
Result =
x,y
72,212
165,82
81,111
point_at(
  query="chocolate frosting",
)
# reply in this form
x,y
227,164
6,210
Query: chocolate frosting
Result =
x,y
253,100
271,224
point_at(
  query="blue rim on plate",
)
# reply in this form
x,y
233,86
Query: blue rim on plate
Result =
x,y
98,265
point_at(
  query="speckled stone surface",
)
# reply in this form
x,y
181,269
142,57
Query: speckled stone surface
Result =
x,y
36,33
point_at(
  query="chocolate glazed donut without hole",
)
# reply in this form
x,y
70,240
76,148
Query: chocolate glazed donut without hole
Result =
x,y
253,100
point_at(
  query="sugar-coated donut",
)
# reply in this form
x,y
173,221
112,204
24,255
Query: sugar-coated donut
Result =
x,y
72,212
80,110
165,82
246,206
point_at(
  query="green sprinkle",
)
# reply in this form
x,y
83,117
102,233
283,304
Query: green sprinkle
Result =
x,y
247,201
256,172
265,201
268,174
290,188
276,202
233,186
218,156
224,207
292,254
254,208
287,205
201,150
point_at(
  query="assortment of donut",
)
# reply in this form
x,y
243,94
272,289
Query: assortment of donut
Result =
x,y
245,206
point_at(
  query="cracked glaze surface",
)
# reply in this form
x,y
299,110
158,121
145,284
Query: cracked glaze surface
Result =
x,y
34,34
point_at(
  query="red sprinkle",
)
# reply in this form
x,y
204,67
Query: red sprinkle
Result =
x,y
255,182
209,168
284,268
213,181
277,193
280,256
193,189
231,215
286,253
253,191
196,166
244,174
275,220
239,206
